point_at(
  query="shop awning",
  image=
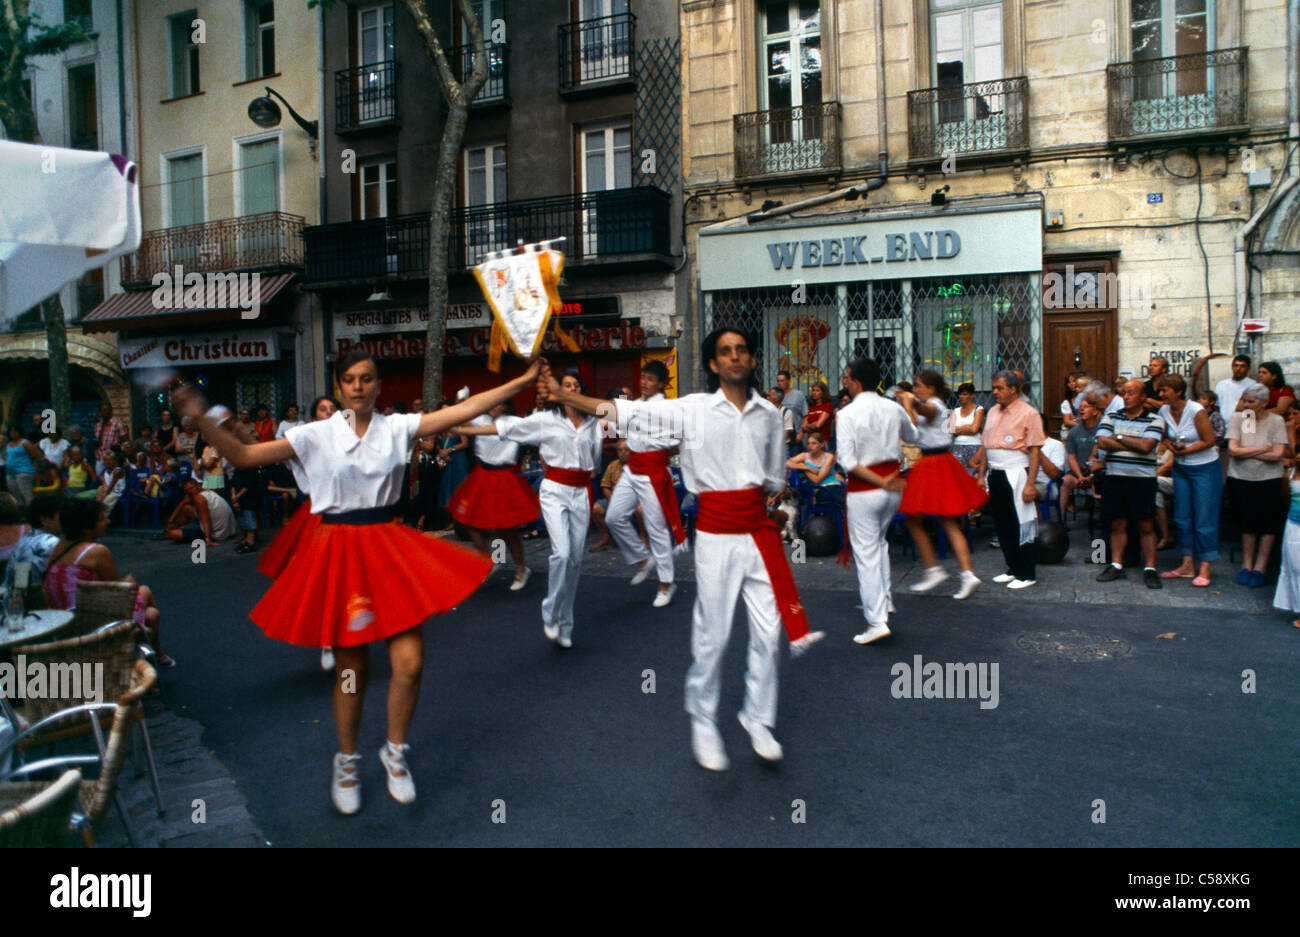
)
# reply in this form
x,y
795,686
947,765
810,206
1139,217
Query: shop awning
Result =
x,y
123,312
93,353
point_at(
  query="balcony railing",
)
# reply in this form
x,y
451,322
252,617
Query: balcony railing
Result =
x,y
1179,94
496,89
983,117
597,226
270,239
597,50
365,96
788,140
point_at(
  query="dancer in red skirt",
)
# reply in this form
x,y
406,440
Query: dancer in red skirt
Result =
x,y
361,576
302,524
494,496
937,484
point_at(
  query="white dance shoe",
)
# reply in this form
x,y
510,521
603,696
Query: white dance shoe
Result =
x,y
1022,583
969,583
400,783
799,647
643,573
327,658
663,598
1003,577
345,788
873,633
768,748
933,577
708,747
889,603
520,583
551,631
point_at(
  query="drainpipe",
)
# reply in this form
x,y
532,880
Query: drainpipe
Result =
x,y
121,82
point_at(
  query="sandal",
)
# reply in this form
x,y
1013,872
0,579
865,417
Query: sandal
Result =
x,y
1175,574
1200,582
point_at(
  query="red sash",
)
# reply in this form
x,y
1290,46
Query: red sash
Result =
x,y
654,465
574,478
744,511
884,470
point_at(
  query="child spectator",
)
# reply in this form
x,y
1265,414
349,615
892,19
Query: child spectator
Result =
x,y
48,480
246,498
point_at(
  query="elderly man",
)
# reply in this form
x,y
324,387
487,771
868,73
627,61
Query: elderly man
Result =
x,y
1099,394
776,397
1129,437
1011,447
797,404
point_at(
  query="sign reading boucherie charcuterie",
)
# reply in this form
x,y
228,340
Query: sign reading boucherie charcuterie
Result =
x,y
218,348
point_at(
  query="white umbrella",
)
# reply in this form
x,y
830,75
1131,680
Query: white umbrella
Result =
x,y
62,213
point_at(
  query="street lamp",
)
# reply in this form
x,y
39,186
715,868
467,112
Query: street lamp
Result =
x,y
266,113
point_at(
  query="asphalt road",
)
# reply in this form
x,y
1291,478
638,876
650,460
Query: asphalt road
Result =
x,y
1159,730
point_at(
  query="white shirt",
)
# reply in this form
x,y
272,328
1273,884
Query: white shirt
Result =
x,y
933,433
285,426
54,449
1184,433
870,430
1067,409
723,449
641,443
493,449
1054,452
560,443
345,472
1229,394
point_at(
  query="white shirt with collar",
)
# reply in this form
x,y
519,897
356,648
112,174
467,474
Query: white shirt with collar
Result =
x,y
494,450
723,448
869,431
346,472
560,443
638,442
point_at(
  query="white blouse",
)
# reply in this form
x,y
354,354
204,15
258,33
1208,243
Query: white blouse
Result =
x,y
346,472
561,444
933,433
493,449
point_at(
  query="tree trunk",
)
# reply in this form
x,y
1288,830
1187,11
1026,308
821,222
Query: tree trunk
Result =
x,y
56,346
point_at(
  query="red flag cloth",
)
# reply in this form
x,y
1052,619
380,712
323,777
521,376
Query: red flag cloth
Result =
x,y
744,511
575,478
654,465
884,470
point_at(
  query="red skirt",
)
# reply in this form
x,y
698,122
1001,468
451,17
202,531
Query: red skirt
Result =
x,y
279,551
938,485
353,584
494,499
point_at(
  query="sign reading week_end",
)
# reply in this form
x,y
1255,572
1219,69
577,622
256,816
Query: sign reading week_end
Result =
x,y
924,245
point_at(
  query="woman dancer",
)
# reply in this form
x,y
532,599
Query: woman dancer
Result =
x,y
494,496
570,446
302,524
937,484
361,577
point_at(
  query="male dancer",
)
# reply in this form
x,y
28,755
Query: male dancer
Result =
x,y
869,431
646,481
732,452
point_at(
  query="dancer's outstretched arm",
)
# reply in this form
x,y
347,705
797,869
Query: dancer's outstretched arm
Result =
x,y
550,389
189,402
438,422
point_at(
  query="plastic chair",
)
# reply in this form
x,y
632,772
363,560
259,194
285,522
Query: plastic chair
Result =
x,y
1052,500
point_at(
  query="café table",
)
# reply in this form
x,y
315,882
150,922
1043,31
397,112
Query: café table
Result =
x,y
37,626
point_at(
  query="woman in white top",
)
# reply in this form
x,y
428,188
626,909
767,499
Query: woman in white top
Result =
x,y
361,576
570,444
1198,480
1257,442
289,422
967,424
937,485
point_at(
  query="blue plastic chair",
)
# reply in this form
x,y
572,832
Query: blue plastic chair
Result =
x,y
1053,500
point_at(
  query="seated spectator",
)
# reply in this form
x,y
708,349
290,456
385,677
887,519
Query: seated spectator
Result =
x,y
1209,402
1079,445
35,547
12,526
1287,594
187,441
202,514
79,477
143,437
48,479
212,469
156,463
130,454
246,492
613,472
168,483
817,465
1197,479
79,557
112,483
55,448
279,481
1280,394
1129,438
1257,442
1052,462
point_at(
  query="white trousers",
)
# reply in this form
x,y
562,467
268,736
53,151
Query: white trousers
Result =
x,y
631,490
566,513
869,515
727,566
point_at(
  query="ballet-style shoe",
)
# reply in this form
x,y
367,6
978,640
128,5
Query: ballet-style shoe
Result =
x,y
347,800
400,783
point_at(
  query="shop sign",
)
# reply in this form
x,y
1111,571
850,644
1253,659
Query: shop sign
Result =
x,y
217,348
625,336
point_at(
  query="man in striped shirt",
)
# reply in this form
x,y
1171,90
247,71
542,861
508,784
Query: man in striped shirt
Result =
x,y
1129,437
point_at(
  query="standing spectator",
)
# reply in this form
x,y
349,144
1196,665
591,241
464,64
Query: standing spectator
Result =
x,y
1280,394
776,397
967,424
109,432
187,442
1229,389
21,456
1197,477
80,476
289,421
1011,448
264,426
1079,446
821,414
797,404
165,434
1257,442
55,448
1129,438
246,491
213,469
453,458
1209,402
1287,594
843,399
1157,369
1069,408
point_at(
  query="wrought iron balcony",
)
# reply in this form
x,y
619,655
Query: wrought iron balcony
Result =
x,y
271,239
365,97
1177,95
788,140
496,90
979,118
621,224
597,51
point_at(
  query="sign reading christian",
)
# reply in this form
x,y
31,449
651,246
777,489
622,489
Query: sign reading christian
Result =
x,y
220,348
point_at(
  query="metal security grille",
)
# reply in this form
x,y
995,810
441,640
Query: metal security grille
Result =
x,y
966,328
657,117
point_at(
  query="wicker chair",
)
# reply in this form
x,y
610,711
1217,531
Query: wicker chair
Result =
x,y
98,603
114,647
36,813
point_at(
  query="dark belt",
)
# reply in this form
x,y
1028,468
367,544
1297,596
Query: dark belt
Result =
x,y
939,451
362,517
496,468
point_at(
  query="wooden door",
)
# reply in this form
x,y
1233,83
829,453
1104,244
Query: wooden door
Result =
x,y
1079,326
